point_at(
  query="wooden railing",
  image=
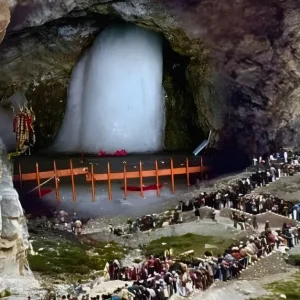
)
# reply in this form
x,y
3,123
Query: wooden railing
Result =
x,y
92,178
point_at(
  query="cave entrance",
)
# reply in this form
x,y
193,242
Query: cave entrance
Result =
x,y
181,130
128,92
115,97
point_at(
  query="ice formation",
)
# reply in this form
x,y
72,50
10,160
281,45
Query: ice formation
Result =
x,y
115,98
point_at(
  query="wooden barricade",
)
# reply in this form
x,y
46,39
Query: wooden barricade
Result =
x,y
92,177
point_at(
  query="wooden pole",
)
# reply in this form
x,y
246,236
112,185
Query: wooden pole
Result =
x,y
93,183
201,167
38,179
187,171
125,180
56,182
20,175
157,179
73,183
141,181
172,175
108,182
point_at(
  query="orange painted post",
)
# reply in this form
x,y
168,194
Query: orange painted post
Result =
x,y
201,168
20,175
108,182
187,171
172,175
73,183
157,179
141,181
56,182
93,183
38,179
125,180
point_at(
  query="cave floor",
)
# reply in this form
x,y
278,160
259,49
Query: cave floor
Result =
x,y
133,205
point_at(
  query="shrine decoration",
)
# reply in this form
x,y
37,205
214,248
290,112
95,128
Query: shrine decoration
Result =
x,y
24,129
117,153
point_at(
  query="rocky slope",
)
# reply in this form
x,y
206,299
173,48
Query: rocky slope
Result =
x,y
242,67
14,245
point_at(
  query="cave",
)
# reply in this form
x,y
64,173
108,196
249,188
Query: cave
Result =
x,y
234,65
179,116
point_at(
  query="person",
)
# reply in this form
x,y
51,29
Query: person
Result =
x,y
285,155
78,227
254,161
151,267
110,228
234,218
197,213
74,219
62,215
267,226
254,223
213,214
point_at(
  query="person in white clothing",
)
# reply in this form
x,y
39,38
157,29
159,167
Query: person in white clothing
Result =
x,y
285,155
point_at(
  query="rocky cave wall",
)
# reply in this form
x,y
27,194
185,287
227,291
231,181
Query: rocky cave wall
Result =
x,y
14,244
47,54
242,73
16,276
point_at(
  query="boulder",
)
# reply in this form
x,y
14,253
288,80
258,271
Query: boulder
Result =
x,y
10,204
15,272
11,229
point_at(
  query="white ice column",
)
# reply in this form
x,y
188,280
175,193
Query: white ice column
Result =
x,y
115,98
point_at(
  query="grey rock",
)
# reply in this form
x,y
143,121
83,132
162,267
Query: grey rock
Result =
x,y
10,204
11,229
15,272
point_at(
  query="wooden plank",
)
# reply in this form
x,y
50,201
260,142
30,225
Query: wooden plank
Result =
x,y
76,171
125,180
57,192
172,176
148,173
93,183
20,175
201,167
141,180
72,179
157,179
109,183
38,179
187,171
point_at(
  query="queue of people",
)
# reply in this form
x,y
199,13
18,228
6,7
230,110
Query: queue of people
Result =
x,y
160,278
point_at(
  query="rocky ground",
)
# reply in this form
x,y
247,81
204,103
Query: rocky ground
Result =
x,y
287,188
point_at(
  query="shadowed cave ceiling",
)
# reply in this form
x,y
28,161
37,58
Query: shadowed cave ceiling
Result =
x,y
231,66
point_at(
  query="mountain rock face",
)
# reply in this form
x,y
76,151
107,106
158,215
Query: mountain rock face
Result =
x,y
14,245
4,18
241,72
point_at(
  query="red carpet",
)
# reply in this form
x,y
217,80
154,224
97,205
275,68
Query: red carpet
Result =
x,y
43,192
117,153
145,188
